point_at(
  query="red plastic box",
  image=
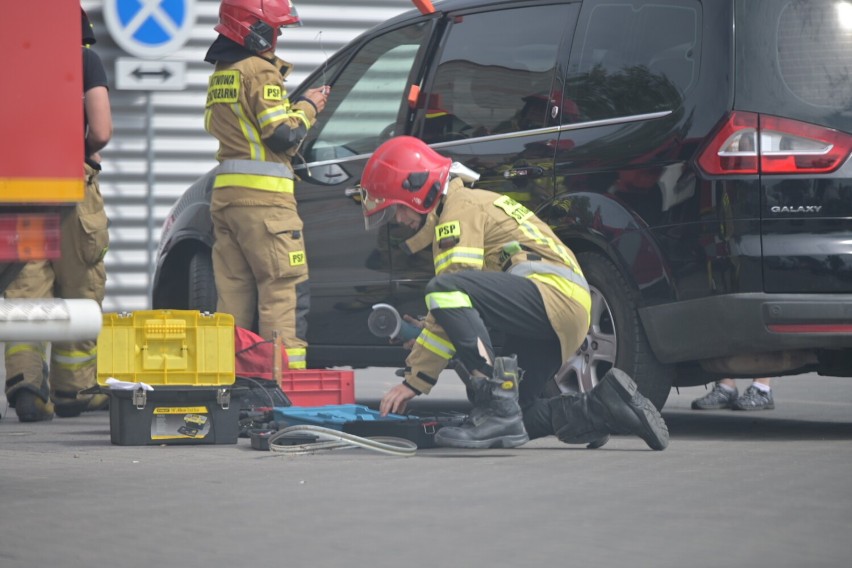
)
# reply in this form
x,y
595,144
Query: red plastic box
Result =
x,y
319,387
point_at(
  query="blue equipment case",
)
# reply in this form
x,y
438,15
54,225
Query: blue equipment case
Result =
x,y
365,422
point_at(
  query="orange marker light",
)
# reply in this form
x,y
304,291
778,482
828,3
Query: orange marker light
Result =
x,y
425,6
27,237
413,96
38,237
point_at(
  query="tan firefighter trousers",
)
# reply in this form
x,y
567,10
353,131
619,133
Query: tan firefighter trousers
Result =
x,y
261,271
78,274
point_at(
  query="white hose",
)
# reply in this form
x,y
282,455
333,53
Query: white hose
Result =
x,y
330,439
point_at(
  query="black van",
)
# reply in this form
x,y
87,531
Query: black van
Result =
x,y
693,153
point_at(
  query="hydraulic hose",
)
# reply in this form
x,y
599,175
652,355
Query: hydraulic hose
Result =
x,y
330,439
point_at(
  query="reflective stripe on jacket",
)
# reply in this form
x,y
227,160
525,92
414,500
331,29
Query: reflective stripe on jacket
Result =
x,y
246,104
266,176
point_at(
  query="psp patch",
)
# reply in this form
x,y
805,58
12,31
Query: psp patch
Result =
x,y
273,93
449,229
297,258
448,234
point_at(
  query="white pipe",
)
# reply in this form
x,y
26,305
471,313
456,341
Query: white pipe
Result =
x,y
49,320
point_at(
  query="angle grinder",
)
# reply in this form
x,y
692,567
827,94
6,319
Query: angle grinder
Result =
x,y
385,321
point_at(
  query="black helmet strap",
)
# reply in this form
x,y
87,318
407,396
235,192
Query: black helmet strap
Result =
x,y
260,37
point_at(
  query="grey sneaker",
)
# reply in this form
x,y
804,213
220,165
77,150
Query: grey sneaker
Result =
x,y
716,399
754,399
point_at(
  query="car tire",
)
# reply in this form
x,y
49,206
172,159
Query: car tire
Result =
x,y
616,336
201,295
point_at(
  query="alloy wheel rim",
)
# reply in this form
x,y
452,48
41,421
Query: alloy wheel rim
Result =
x,y
596,355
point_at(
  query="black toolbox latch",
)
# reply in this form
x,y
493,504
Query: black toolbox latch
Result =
x,y
223,397
140,399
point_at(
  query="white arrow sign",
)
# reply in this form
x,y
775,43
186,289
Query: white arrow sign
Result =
x,y
146,75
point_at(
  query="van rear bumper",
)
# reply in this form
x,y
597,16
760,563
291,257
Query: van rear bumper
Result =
x,y
735,324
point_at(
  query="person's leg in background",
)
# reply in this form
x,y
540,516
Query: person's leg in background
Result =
x,y
756,397
80,274
27,389
725,395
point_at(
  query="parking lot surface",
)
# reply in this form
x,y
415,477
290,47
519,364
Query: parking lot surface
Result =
x,y
771,488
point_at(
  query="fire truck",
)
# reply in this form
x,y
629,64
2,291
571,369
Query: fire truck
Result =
x,y
41,162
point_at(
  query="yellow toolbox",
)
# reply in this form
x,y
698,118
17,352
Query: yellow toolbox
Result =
x,y
167,347
188,359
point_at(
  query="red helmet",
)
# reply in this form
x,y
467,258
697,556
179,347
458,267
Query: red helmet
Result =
x,y
255,24
402,171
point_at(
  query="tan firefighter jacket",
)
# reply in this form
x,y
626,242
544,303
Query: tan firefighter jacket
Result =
x,y
246,103
473,229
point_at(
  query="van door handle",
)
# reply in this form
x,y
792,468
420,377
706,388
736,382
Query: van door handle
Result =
x,y
524,172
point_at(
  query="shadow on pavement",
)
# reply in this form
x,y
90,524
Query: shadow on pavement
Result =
x,y
727,425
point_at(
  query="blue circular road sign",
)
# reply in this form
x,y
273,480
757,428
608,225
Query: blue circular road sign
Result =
x,y
150,28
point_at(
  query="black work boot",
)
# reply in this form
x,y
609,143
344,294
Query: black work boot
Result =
x,y
538,422
495,420
31,403
68,404
614,406
30,407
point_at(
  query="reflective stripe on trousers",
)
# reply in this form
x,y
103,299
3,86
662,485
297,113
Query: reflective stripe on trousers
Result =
x,y
570,283
297,358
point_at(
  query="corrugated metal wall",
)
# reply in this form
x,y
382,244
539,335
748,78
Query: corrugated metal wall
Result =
x,y
172,150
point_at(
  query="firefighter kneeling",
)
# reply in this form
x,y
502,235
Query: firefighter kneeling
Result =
x,y
497,266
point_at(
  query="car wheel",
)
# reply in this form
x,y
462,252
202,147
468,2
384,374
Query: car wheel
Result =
x,y
202,286
616,337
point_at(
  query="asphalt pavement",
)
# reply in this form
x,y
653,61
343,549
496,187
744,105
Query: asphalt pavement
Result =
x,y
770,488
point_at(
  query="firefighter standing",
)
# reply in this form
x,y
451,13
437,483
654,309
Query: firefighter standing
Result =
x,y
259,255
496,265
78,273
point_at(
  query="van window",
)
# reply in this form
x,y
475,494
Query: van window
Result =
x,y
814,46
630,59
367,96
794,59
495,73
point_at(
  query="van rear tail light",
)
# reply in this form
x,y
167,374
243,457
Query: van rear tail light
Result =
x,y
733,149
789,146
27,236
748,143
